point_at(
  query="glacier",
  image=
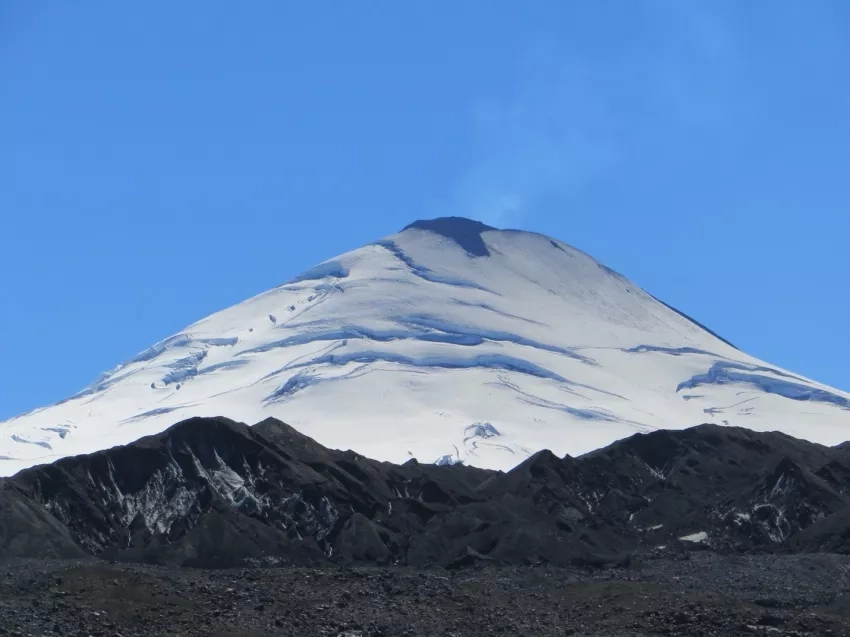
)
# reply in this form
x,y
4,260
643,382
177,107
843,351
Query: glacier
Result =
x,y
450,341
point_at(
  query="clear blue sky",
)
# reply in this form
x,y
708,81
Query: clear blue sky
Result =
x,y
161,160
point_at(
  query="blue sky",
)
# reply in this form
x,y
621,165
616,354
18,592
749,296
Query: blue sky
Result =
x,y
160,160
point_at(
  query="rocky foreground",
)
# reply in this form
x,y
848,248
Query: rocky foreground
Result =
x,y
696,593
216,528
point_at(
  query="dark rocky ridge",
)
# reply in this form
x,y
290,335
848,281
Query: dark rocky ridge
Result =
x,y
213,492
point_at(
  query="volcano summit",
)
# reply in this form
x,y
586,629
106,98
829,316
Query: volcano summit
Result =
x,y
448,342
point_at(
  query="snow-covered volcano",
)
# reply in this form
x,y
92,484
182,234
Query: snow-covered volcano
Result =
x,y
449,341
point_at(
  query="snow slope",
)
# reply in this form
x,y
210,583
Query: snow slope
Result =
x,y
449,341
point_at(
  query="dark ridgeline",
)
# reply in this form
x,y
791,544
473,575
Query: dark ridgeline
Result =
x,y
213,492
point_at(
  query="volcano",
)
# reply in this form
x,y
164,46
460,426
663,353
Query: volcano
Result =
x,y
448,342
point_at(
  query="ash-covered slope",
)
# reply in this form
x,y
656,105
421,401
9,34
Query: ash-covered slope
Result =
x,y
213,492
449,341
